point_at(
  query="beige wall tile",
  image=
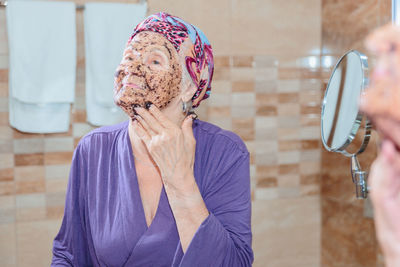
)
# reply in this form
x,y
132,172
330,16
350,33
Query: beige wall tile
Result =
x,y
57,158
7,174
266,122
243,112
7,188
57,171
6,132
243,99
28,146
266,86
286,232
267,158
288,86
219,100
261,22
7,209
288,134
56,185
220,87
25,173
263,194
288,109
6,160
310,132
289,180
8,246
34,242
58,144
288,157
80,129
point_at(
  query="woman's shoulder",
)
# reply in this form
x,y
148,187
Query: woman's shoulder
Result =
x,y
103,135
210,133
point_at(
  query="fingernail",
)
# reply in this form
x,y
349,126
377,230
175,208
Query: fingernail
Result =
x,y
134,106
148,104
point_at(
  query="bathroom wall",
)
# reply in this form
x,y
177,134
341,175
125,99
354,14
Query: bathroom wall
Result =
x,y
266,88
347,236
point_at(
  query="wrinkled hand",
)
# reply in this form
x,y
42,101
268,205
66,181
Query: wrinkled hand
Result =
x,y
384,180
171,147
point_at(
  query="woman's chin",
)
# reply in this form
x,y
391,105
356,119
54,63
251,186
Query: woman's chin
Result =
x,y
389,129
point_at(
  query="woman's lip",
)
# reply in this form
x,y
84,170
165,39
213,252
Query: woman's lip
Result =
x,y
131,85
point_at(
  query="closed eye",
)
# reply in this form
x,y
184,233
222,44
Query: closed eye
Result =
x,y
118,73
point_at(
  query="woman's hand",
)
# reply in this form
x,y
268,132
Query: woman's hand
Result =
x,y
171,147
384,180
173,150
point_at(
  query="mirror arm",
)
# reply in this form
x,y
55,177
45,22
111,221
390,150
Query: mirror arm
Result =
x,y
359,178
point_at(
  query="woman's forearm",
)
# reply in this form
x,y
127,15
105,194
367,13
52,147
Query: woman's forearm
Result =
x,y
188,207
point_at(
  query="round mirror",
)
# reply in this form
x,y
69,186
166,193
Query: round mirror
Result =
x,y
340,117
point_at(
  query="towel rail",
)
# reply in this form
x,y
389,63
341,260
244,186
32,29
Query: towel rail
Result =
x,y
78,7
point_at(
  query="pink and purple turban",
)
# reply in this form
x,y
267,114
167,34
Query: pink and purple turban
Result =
x,y
199,58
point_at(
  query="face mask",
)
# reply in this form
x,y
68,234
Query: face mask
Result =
x,y
150,71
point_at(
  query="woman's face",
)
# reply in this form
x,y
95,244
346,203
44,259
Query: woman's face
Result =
x,y
150,70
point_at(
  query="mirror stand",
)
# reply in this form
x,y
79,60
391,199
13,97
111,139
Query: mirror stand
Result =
x,y
359,178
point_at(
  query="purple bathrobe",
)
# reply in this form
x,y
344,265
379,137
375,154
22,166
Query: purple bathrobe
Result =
x,y
104,222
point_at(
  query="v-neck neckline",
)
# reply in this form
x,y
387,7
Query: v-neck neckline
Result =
x,y
138,196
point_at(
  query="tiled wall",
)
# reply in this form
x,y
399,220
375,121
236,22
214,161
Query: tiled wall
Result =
x,y
266,88
348,236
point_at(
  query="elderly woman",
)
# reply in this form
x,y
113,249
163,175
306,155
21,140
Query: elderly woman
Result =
x,y
381,103
162,189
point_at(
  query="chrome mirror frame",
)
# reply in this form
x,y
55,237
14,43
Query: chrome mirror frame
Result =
x,y
359,176
359,117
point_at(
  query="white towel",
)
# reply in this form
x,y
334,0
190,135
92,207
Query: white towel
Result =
x,y
108,27
42,57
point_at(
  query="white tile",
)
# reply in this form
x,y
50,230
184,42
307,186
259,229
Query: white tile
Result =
x,y
6,160
288,180
268,158
57,171
224,123
310,132
287,232
288,157
80,129
266,86
311,155
265,122
220,87
289,121
288,86
8,247
219,100
58,144
3,102
31,200
29,145
243,112
243,99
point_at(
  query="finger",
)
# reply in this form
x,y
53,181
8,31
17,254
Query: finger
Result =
x,y
145,126
150,119
141,132
164,121
187,128
385,178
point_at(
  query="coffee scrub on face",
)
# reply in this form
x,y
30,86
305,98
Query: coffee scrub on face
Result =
x,y
150,71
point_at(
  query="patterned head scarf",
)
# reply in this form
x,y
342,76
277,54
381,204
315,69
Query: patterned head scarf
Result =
x,y
199,58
